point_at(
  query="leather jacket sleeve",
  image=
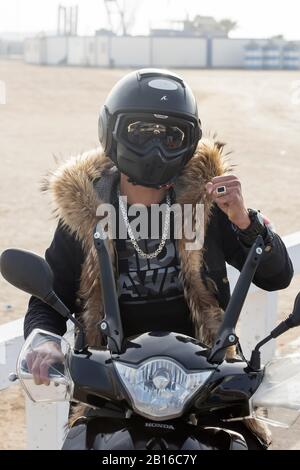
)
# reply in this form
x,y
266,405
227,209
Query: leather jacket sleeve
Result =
x,y
65,258
275,271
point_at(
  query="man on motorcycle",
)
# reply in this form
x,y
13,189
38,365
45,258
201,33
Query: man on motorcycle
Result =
x,y
152,153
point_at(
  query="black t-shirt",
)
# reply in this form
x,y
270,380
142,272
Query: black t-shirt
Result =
x,y
150,290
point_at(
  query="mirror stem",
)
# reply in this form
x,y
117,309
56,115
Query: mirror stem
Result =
x,y
255,362
111,325
226,335
54,302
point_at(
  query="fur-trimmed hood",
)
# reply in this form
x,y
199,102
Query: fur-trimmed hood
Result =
x,y
82,183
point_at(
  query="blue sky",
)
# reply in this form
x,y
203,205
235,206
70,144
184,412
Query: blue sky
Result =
x,y
256,18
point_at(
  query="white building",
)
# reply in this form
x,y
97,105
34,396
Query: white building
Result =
x,y
161,51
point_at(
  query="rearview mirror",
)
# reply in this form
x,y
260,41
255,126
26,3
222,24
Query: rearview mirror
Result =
x,y
28,272
32,274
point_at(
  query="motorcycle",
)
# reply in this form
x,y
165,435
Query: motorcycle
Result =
x,y
158,390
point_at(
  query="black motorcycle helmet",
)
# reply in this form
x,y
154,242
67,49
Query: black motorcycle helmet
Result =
x,y
149,126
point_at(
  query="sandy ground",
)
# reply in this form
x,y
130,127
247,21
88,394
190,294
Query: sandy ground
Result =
x,y
51,113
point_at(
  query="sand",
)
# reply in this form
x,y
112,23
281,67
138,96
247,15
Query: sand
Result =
x,y
51,113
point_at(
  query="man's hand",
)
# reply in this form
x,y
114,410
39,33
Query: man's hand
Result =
x,y
231,202
41,358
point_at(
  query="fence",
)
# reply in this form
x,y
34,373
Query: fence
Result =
x,y
45,422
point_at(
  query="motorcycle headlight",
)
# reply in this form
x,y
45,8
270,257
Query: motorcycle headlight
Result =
x,y
160,388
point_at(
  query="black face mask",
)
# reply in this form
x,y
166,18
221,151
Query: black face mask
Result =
x,y
152,150
151,170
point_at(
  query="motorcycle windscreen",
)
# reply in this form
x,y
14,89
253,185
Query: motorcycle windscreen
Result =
x,y
277,400
42,367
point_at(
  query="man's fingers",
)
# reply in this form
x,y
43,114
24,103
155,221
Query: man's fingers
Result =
x,y
33,366
230,200
35,370
218,182
230,194
228,184
40,359
223,179
39,370
44,372
37,380
232,185
30,360
209,187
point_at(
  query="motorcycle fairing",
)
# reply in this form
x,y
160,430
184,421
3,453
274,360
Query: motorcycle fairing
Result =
x,y
137,434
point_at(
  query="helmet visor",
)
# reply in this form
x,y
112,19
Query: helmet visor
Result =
x,y
141,133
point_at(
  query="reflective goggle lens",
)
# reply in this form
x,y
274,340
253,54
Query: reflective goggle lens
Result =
x,y
140,133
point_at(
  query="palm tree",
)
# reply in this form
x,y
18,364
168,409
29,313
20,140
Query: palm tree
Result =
x,y
227,25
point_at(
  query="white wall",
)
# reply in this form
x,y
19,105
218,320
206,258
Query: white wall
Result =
x,y
46,50
30,50
88,51
77,51
102,51
56,50
130,51
229,52
35,50
178,52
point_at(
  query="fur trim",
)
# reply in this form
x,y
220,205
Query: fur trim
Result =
x,y
72,191
75,204
208,161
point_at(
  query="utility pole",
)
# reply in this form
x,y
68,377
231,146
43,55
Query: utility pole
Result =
x,y
114,9
67,20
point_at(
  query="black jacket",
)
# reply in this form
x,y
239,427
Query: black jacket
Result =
x,y
222,244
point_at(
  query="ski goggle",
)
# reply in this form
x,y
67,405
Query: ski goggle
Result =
x,y
141,133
